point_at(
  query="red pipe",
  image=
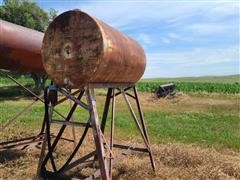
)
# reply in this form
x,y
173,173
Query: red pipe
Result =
x,y
20,48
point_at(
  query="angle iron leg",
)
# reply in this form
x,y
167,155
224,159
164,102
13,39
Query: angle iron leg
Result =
x,y
97,135
42,154
73,128
112,132
105,113
144,127
135,118
106,109
140,129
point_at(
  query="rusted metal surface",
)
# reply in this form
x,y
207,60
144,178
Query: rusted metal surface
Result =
x,y
79,49
20,48
105,152
97,134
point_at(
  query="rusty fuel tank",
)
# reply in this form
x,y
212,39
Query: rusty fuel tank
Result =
x,y
79,49
20,48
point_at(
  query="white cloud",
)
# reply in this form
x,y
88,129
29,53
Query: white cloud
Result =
x,y
125,15
193,63
165,40
131,15
226,8
145,38
195,57
210,28
173,36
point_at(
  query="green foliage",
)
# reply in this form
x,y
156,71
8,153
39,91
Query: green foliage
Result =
x,y
6,82
229,79
52,14
186,87
9,89
24,12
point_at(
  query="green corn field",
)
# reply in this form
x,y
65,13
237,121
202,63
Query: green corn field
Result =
x,y
225,88
221,85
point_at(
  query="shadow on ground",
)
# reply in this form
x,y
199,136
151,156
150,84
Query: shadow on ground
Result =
x,y
10,155
15,92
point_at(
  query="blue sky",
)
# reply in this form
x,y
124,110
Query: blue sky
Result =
x,y
180,38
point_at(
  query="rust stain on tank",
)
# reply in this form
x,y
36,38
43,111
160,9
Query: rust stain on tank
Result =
x,y
80,49
20,48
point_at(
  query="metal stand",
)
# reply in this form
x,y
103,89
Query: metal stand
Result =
x,y
25,142
104,151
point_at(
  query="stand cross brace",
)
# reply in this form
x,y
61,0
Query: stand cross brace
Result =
x,y
104,151
25,142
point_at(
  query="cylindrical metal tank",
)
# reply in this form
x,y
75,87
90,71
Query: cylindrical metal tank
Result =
x,y
20,48
79,49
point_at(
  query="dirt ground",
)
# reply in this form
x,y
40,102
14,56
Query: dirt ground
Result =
x,y
173,160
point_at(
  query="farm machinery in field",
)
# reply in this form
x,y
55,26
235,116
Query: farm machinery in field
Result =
x,y
165,90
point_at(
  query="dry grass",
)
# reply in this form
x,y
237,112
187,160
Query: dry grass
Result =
x,y
177,161
173,161
191,103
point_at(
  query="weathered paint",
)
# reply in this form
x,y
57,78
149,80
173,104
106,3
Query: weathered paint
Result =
x,y
79,49
20,48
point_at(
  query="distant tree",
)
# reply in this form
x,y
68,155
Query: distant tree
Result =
x,y
24,12
52,14
27,13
